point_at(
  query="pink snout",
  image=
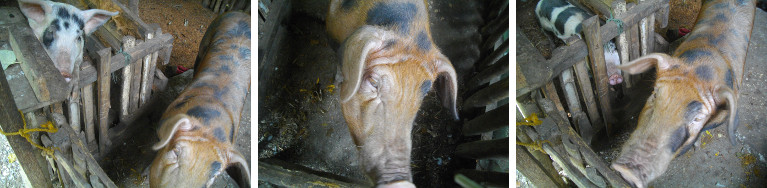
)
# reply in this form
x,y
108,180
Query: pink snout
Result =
x,y
399,184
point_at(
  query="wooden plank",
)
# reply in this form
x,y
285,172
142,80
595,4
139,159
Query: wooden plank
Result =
x,y
484,149
566,56
103,95
77,144
88,113
88,74
622,44
597,6
489,95
551,93
488,178
136,82
493,71
527,134
634,51
599,69
146,72
531,169
34,164
573,100
291,175
582,74
490,121
127,80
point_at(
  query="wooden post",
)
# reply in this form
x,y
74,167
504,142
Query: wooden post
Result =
x,y
582,74
484,149
146,73
103,87
597,59
634,51
88,115
135,83
487,122
645,29
74,110
125,85
623,46
580,118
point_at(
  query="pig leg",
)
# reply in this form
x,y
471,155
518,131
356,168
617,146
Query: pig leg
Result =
x,y
613,61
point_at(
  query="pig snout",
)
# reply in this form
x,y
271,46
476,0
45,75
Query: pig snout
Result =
x,y
641,163
399,184
613,61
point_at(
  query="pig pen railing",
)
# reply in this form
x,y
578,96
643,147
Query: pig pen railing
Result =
x,y
36,84
554,138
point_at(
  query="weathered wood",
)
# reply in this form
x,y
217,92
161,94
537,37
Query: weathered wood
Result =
x,y
127,80
149,70
493,71
493,57
88,114
566,56
217,6
582,74
146,72
489,95
34,164
599,69
591,158
490,121
487,178
74,110
662,15
136,82
551,93
205,3
529,167
485,149
79,151
581,121
526,134
597,6
634,50
88,74
103,95
291,175
622,45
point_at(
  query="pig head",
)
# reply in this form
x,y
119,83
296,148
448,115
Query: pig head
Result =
x,y
197,130
62,28
389,63
696,89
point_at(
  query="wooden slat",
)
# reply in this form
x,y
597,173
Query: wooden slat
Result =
x,y
622,43
88,74
489,178
127,80
529,167
489,95
582,74
490,121
103,95
88,113
290,175
599,69
485,149
145,74
494,71
34,164
136,81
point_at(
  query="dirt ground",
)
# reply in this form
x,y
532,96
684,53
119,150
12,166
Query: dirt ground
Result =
x,y
299,113
186,20
716,163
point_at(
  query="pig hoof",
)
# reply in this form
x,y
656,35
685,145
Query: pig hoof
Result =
x,y
616,79
399,184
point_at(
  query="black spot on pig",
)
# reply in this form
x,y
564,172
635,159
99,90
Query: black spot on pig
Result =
x,y
397,15
721,5
203,113
693,55
66,25
204,84
677,138
218,132
563,17
183,101
226,57
214,168
743,2
244,53
728,78
241,30
704,72
425,87
674,67
223,91
225,69
423,41
720,18
693,108
348,4
547,9
63,13
48,36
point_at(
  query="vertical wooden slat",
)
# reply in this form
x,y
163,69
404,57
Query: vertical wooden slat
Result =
x,y
551,93
88,115
74,110
580,119
128,43
103,87
147,71
582,74
623,44
634,51
135,83
597,59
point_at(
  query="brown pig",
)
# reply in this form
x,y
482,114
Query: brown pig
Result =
x,y
696,89
389,62
197,129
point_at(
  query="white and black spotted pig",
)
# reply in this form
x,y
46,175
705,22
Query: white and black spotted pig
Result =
x,y
61,28
197,129
564,20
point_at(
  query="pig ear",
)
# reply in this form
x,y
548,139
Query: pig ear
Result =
x,y
354,54
646,62
241,172
35,10
447,83
169,127
94,18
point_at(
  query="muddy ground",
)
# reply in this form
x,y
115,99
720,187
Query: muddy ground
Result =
x,y
716,163
300,120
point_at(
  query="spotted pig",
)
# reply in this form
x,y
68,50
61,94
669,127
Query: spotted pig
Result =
x,y
696,89
197,129
61,28
389,62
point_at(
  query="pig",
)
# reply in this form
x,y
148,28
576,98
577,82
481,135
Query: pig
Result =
x,y
61,28
197,129
389,63
564,20
696,89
